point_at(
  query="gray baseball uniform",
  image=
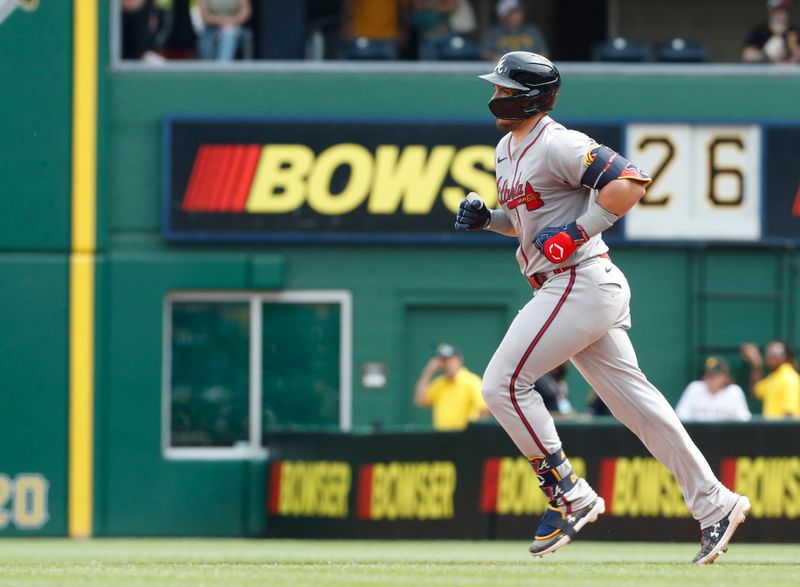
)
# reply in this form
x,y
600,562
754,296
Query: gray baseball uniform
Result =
x,y
581,313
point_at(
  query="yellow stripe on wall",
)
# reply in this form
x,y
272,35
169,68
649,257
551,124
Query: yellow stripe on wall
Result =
x,y
82,261
81,396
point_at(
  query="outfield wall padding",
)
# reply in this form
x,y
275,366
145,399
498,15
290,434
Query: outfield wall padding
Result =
x,y
475,485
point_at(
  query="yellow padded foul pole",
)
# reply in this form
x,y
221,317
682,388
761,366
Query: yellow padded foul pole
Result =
x,y
82,268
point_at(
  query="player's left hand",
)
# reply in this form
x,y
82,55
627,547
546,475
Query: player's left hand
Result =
x,y
557,243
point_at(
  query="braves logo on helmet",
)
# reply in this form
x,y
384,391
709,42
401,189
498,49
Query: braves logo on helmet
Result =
x,y
502,66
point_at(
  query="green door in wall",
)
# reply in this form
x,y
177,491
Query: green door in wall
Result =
x,y
475,330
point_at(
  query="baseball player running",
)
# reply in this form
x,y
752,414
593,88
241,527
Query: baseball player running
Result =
x,y
558,191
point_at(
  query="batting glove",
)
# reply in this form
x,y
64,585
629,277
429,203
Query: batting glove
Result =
x,y
557,243
472,215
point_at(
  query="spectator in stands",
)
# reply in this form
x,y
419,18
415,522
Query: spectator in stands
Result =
x,y
455,395
385,21
775,41
430,24
462,21
512,34
181,38
222,28
780,390
552,386
139,26
595,406
714,396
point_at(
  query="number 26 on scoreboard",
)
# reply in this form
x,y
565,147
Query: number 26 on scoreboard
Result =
x,y
706,181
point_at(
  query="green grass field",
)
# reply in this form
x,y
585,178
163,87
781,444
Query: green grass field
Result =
x,y
294,563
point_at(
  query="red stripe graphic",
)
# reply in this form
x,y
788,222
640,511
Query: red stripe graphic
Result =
x,y
229,177
194,200
512,385
364,506
489,485
274,491
221,178
218,176
192,187
244,178
206,176
608,472
727,473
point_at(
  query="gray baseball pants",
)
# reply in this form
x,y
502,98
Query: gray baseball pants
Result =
x,y
582,315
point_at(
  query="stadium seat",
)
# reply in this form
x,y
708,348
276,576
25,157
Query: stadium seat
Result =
x,y
680,51
368,49
451,48
620,49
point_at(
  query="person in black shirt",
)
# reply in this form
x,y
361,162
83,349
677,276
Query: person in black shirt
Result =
x,y
775,41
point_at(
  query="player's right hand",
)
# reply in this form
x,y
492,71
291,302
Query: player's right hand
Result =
x,y
472,214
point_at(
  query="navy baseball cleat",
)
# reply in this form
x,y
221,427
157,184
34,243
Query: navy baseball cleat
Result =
x,y
557,527
714,539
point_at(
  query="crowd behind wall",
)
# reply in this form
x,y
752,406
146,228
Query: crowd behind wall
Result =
x,y
158,31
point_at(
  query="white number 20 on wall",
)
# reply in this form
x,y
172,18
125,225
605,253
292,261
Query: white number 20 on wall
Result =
x,y
23,501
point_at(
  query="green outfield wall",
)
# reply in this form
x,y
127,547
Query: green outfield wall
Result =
x,y
35,111
689,300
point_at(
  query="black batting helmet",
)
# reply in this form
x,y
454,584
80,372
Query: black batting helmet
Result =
x,y
536,78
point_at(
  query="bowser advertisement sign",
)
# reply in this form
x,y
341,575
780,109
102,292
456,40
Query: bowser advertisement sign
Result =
x,y
401,180
475,485
329,179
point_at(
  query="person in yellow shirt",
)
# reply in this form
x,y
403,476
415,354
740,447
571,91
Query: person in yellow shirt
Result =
x,y
455,395
374,19
780,390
